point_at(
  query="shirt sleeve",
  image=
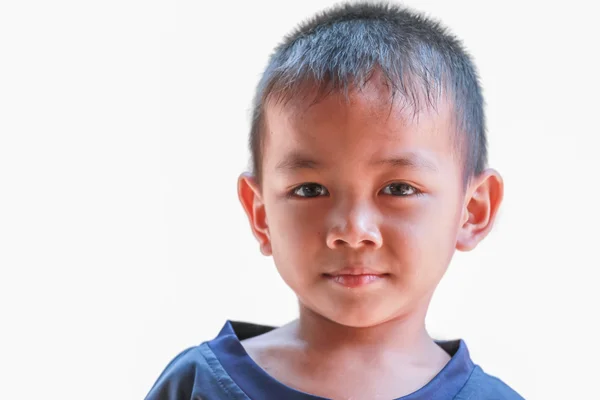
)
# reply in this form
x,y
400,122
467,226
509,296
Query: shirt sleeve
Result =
x,y
195,374
483,386
176,382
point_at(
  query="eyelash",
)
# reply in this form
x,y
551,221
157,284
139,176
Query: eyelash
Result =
x,y
292,193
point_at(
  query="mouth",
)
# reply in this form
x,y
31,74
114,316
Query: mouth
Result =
x,y
356,277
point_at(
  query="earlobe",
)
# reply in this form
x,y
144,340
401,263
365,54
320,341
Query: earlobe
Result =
x,y
483,200
250,196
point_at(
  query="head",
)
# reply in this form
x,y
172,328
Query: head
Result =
x,y
368,151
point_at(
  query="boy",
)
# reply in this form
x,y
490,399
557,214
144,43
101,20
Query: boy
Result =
x,y
369,153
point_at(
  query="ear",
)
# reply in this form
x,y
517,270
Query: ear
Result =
x,y
250,196
482,202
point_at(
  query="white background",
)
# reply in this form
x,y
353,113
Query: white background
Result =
x,y
123,128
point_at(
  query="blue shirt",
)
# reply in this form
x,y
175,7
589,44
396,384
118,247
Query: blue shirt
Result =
x,y
221,369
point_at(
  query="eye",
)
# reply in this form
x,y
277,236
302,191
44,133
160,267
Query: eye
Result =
x,y
401,189
309,190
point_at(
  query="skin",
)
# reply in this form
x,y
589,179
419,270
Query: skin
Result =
x,y
386,193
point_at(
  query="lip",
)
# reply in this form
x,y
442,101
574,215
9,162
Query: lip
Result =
x,y
355,277
355,271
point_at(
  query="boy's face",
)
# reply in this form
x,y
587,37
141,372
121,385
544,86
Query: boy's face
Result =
x,y
353,185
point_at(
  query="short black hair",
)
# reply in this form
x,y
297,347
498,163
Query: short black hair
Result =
x,y
340,48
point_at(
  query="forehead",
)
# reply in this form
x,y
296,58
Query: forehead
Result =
x,y
355,129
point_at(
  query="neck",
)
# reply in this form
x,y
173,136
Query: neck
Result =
x,y
404,336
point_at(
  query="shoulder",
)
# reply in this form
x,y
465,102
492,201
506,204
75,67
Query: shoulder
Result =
x,y
482,386
177,379
195,373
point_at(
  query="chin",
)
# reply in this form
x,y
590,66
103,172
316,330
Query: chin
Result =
x,y
358,322
356,315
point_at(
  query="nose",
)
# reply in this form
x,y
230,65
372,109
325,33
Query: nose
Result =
x,y
354,227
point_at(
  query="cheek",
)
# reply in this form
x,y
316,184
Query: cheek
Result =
x,y
297,232
422,240
300,222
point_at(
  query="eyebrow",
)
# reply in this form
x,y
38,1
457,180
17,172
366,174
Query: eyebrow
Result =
x,y
297,161
410,160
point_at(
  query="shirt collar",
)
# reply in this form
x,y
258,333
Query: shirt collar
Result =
x,y
256,383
